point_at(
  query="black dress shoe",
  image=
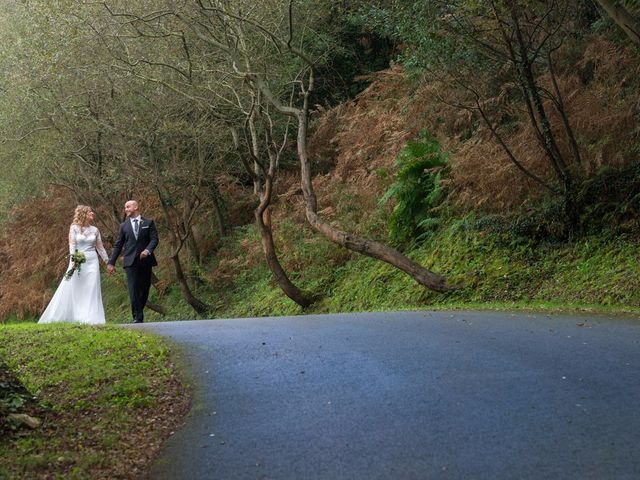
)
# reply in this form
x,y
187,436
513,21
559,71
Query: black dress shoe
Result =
x,y
137,321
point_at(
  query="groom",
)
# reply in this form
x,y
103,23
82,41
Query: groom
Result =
x,y
137,238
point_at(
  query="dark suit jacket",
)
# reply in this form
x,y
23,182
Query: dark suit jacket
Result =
x,y
131,248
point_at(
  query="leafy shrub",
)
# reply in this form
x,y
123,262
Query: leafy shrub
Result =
x,y
418,189
544,221
611,199
608,203
14,398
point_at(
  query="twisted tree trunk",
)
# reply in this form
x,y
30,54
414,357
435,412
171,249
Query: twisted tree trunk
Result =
x,y
353,242
241,60
262,213
623,18
349,241
177,241
263,220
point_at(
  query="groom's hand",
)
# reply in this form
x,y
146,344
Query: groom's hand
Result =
x,y
144,254
111,269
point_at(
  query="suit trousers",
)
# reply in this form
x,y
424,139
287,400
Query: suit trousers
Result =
x,y
139,283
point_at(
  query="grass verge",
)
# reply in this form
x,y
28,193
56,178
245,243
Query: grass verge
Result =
x,y
107,397
593,274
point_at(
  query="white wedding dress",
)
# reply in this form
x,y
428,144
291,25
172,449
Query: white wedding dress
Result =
x,y
79,299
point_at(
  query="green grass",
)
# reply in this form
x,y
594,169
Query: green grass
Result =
x,y
102,392
497,270
596,273
100,385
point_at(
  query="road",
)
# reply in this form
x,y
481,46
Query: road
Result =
x,y
408,395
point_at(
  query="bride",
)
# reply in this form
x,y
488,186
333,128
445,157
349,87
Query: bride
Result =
x,y
78,299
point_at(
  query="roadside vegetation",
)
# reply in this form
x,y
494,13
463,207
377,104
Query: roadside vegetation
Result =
x,y
103,399
302,157
594,274
484,152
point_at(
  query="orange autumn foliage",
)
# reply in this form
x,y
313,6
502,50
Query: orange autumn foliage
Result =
x,y
354,147
33,253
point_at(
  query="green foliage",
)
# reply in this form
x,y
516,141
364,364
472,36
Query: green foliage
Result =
x,y
594,273
498,267
93,386
13,398
131,392
60,59
25,148
419,27
351,51
608,204
309,260
544,221
417,190
85,359
611,199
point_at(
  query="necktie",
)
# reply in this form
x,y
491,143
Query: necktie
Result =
x,y
135,227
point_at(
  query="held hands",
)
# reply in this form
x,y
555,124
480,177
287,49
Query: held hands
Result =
x,y
111,269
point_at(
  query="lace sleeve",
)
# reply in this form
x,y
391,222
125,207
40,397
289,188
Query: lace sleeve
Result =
x,y
100,247
72,238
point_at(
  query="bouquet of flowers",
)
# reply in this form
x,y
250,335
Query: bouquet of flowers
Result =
x,y
77,259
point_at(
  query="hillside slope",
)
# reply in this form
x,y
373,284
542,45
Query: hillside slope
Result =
x,y
484,240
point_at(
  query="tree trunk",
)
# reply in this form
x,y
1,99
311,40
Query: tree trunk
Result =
x,y
353,242
216,200
192,246
197,305
263,215
623,18
562,111
156,308
177,241
525,71
263,220
217,210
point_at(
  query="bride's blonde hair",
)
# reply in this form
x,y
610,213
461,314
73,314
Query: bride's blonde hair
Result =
x,y
80,215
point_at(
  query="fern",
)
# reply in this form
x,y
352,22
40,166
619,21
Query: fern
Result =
x,y
417,190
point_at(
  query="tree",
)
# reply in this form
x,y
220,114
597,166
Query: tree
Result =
x,y
109,129
74,109
263,173
499,55
256,47
27,142
229,108
226,30
177,168
623,17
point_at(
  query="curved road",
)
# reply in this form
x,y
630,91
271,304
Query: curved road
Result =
x,y
410,395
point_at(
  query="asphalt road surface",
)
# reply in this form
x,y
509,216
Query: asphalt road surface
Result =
x,y
410,395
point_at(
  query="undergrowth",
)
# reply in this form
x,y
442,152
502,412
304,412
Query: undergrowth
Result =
x,y
511,252
496,271
417,189
105,396
501,261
